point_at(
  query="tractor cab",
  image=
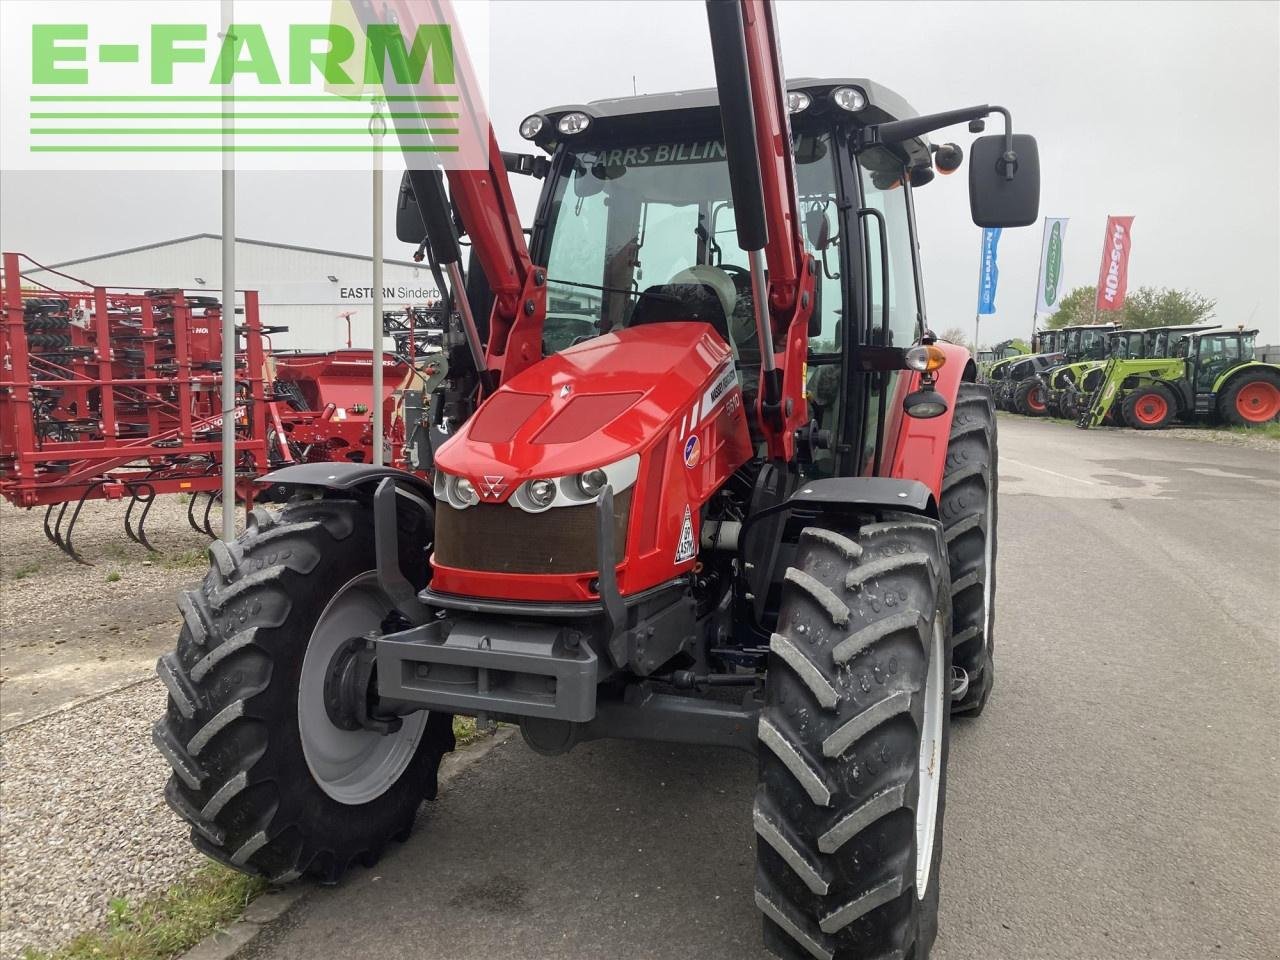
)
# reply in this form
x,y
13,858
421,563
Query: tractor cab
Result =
x,y
1210,355
1127,344
1086,342
636,228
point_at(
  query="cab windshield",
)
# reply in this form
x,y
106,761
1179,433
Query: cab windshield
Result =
x,y
1091,343
654,221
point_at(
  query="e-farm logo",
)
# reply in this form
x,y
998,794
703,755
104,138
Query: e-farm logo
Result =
x,y
173,85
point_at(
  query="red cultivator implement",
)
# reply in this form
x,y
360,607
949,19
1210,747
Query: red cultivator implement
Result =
x,y
115,394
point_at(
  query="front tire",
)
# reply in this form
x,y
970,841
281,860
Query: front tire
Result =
x,y
1149,408
854,738
269,784
1029,399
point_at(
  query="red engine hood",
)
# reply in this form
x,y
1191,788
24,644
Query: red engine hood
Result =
x,y
590,405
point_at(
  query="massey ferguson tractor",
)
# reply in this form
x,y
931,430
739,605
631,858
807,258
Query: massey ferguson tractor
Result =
x,y
702,476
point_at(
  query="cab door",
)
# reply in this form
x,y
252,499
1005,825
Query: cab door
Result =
x,y
893,311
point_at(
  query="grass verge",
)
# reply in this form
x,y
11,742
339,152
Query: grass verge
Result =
x,y
164,925
1271,430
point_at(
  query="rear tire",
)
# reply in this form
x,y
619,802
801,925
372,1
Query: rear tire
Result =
x,y
1149,408
266,787
969,511
1251,399
854,738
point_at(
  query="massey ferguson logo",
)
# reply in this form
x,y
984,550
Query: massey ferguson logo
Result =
x,y
492,487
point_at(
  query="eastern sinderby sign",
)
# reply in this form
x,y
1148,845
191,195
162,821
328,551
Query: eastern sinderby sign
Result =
x,y
308,84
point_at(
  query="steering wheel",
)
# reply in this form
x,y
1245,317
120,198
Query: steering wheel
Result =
x,y
740,276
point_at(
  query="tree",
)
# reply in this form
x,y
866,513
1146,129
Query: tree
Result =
x,y
1149,307
1076,307
957,336
1144,307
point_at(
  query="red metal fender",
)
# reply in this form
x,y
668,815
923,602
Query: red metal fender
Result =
x,y
919,447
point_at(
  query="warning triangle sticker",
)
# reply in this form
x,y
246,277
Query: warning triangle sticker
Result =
x,y
685,549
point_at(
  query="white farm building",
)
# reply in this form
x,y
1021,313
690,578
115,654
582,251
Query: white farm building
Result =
x,y
302,288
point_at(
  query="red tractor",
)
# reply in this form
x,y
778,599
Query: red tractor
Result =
x,y
704,440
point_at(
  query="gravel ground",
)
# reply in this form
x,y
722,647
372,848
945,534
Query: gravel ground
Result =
x,y
67,631
83,819
1251,439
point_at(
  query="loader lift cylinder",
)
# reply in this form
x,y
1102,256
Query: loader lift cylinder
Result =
x,y
737,113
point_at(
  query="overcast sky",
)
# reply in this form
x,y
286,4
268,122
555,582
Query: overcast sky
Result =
x,y
1169,112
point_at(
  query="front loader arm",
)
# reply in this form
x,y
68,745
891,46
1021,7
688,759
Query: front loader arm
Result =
x,y
483,199
753,107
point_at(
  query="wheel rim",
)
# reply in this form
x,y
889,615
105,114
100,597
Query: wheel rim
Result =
x,y
1151,409
1035,400
351,766
930,763
1258,402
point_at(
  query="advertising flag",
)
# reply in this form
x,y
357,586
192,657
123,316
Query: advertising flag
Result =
x,y
1113,276
1055,234
988,272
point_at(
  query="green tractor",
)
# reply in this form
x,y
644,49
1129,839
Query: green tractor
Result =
x,y
1209,375
1005,372
1026,389
1069,387
1004,350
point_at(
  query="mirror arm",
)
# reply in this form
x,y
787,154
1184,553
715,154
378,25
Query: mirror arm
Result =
x,y
895,131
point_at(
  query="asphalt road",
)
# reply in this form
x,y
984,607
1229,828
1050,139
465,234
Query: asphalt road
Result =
x,y
1117,800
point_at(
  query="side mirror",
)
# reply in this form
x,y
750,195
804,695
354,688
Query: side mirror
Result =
x,y
1004,194
410,227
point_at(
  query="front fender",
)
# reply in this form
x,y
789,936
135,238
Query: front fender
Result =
x,y
342,476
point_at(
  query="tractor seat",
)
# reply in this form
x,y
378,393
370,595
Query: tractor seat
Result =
x,y
701,293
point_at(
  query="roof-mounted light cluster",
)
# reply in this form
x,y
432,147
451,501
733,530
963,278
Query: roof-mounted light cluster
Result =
x,y
798,101
849,99
574,123
530,127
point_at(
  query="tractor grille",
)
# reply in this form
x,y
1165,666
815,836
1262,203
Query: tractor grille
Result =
x,y
498,538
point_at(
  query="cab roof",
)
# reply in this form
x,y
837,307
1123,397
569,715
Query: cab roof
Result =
x,y
646,114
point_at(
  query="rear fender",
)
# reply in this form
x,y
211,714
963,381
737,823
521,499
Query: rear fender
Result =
x,y
1250,366
920,448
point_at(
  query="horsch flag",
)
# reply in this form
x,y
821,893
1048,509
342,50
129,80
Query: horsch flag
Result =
x,y
1050,289
1113,277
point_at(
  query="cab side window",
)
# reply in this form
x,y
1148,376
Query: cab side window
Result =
x,y
883,176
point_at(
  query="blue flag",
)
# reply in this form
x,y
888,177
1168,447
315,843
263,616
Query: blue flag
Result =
x,y
988,273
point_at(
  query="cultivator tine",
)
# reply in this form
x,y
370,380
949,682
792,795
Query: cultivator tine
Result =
x,y
206,527
62,539
191,514
145,494
49,532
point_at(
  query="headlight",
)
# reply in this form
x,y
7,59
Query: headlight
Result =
x,y
464,492
457,492
530,127
572,123
591,482
541,493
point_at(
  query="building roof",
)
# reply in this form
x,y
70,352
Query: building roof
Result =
x,y
217,236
